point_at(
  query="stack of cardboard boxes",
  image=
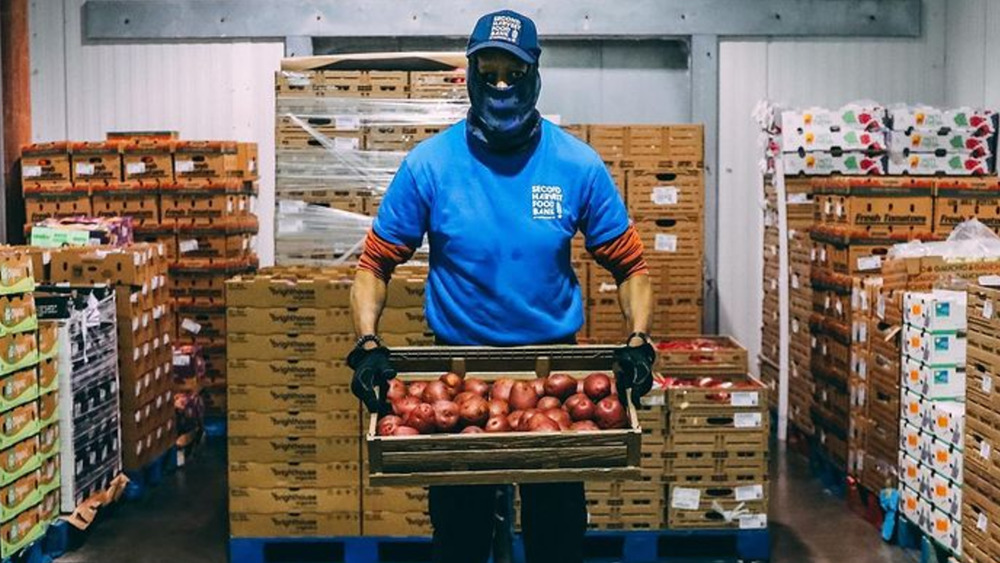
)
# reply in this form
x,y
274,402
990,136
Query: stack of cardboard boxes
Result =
x,y
980,494
295,448
933,418
659,171
29,473
930,141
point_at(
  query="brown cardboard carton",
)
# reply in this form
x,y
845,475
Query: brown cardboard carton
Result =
x,y
263,290
16,271
289,448
290,397
269,501
96,162
302,346
148,160
17,313
396,524
294,474
46,163
394,499
294,423
18,495
295,524
18,460
288,372
283,320
19,351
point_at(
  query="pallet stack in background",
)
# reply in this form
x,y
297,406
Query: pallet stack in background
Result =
x,y
980,494
659,171
933,413
295,449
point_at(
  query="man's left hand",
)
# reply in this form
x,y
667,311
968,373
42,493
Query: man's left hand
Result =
x,y
633,367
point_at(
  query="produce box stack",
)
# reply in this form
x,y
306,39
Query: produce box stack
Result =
x,y
849,141
52,187
340,136
86,371
980,494
933,418
209,210
959,199
930,141
27,474
769,360
800,213
714,420
660,172
138,275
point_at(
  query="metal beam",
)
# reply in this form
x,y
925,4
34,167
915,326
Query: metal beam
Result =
x,y
218,19
705,110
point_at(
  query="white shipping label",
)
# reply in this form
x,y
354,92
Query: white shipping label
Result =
x,y
822,254
749,492
753,522
863,331
84,169
869,263
654,400
189,245
839,307
991,280
31,171
795,326
347,122
665,195
229,206
812,255
828,207
297,79
797,199
346,143
985,450
135,168
795,281
182,360
987,384
191,326
982,522
685,499
665,243
183,166
840,209
747,420
745,399
988,309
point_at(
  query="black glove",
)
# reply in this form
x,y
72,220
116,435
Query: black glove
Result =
x,y
633,367
372,369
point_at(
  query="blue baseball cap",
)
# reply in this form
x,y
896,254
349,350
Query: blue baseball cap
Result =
x,y
507,30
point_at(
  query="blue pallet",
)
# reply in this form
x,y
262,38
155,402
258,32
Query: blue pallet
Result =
x,y
151,475
34,553
830,474
910,536
215,426
623,547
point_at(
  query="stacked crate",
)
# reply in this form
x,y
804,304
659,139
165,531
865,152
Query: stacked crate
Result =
x,y
29,471
980,493
933,413
290,406
138,275
340,136
881,367
959,199
769,361
660,172
930,141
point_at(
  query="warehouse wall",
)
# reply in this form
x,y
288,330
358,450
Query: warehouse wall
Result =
x,y
203,90
817,72
973,40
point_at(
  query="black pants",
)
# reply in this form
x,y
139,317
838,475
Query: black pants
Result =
x,y
553,522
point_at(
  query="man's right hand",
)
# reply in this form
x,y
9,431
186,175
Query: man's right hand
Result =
x,y
372,370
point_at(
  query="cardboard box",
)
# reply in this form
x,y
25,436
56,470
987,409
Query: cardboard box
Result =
x,y
18,388
281,500
937,311
290,397
15,271
48,408
395,523
825,164
912,442
913,506
941,349
294,474
929,164
198,161
263,290
292,448
295,524
671,239
304,346
20,531
148,160
394,499
937,140
48,476
934,383
19,495
946,530
48,340
946,495
910,473
867,117
19,351
46,163
98,162
17,313
948,422
658,193
322,321
306,424
917,410
19,460
48,440
954,205
825,139
932,118
288,372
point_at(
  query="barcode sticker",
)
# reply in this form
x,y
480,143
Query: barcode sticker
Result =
x,y
869,263
346,143
990,280
182,360
749,492
665,243
840,209
745,399
655,400
795,281
347,123
747,420
665,195
191,326
795,326
797,199
685,499
812,255
985,450
753,522
31,171
189,245
822,254
183,166
982,522
988,309
135,168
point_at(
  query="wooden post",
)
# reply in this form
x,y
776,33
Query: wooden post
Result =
x,y
15,86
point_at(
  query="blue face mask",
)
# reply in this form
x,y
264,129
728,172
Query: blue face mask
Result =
x,y
504,120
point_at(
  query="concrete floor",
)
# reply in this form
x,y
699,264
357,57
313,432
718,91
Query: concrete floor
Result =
x,y
184,520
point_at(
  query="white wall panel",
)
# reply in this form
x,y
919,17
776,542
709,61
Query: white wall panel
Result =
x,y
222,90
973,44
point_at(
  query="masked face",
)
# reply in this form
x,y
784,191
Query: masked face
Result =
x,y
503,92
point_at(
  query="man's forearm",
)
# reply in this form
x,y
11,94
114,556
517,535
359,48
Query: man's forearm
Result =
x,y
635,296
368,296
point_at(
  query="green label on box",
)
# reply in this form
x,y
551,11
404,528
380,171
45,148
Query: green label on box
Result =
x,y
47,237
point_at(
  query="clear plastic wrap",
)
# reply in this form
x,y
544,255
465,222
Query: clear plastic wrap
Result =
x,y
971,240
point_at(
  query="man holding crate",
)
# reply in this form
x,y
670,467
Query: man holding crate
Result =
x,y
500,196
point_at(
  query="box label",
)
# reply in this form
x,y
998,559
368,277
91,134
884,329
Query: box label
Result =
x,y
31,171
985,450
745,399
665,243
135,168
982,522
749,492
665,195
987,384
348,123
184,166
189,245
84,169
685,499
191,326
753,522
747,420
869,263
988,309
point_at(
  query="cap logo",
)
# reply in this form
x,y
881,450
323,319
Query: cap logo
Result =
x,y
506,28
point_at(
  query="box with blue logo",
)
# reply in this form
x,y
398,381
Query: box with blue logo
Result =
x,y
936,311
934,349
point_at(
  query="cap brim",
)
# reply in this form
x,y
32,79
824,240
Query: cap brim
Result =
x,y
509,47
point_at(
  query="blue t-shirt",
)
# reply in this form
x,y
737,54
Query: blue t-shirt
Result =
x,y
499,228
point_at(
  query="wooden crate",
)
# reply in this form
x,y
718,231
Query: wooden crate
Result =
x,y
735,395
716,355
514,457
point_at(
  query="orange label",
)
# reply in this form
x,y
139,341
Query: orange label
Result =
x,y
943,421
916,309
914,407
941,491
915,342
942,456
911,472
941,524
911,503
912,440
914,375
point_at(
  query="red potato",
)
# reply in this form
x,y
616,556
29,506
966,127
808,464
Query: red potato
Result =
x,y
539,386
421,418
405,405
464,396
471,430
388,424
497,424
597,386
397,390
437,391
416,388
584,426
522,425
405,431
501,389
453,381
499,408
474,412
610,414
560,417
445,416
546,403
559,385
580,407
514,419
542,424
523,396
477,386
